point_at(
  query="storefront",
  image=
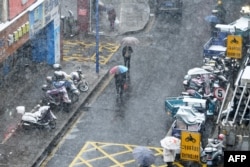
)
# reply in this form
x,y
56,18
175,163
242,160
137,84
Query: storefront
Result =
x,y
45,32
12,37
33,35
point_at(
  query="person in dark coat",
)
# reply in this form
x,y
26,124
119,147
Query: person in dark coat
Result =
x,y
120,80
126,53
221,11
111,18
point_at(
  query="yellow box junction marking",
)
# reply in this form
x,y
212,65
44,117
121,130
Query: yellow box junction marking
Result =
x,y
234,46
85,51
190,146
98,151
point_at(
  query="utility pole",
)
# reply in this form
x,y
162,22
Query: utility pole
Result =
x,y
97,36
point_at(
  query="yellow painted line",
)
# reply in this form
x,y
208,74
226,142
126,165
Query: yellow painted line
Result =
x,y
101,150
102,153
73,50
107,155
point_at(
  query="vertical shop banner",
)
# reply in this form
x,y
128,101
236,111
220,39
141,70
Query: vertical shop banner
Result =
x,y
83,15
36,20
17,6
51,10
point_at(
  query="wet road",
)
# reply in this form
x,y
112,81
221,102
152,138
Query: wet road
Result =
x,y
167,50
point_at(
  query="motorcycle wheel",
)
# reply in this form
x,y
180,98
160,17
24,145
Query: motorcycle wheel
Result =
x,y
52,124
83,87
203,159
73,97
26,126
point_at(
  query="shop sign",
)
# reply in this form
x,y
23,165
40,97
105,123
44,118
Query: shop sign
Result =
x,y
36,20
18,33
2,48
234,46
51,10
190,146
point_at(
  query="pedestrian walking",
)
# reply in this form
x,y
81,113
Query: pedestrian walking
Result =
x,y
126,53
120,80
111,18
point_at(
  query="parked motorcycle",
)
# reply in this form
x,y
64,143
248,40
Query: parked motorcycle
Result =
x,y
42,117
75,77
60,80
198,83
79,80
213,152
57,97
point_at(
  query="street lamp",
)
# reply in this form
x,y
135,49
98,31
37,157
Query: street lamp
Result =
x,y
97,36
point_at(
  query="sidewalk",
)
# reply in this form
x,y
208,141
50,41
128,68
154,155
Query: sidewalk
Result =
x,y
20,148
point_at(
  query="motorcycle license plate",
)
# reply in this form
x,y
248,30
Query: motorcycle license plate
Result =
x,y
209,162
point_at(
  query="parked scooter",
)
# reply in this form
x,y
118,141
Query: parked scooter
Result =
x,y
79,80
75,77
57,97
42,117
214,151
60,80
201,84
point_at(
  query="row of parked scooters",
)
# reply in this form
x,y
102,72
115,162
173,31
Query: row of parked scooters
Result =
x,y
201,83
60,92
215,72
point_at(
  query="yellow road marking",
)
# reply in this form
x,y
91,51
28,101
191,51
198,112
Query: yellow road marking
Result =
x,y
102,152
99,151
75,50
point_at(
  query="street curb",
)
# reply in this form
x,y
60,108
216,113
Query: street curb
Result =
x,y
47,150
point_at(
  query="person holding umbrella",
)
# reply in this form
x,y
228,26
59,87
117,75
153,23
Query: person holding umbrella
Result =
x,y
119,72
127,50
143,156
126,54
119,83
171,146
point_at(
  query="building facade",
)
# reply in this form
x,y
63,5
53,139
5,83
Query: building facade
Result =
x,y
29,29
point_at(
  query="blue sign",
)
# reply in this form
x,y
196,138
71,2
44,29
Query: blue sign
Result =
x,y
36,20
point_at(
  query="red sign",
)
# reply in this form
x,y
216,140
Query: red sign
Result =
x,y
82,12
17,6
